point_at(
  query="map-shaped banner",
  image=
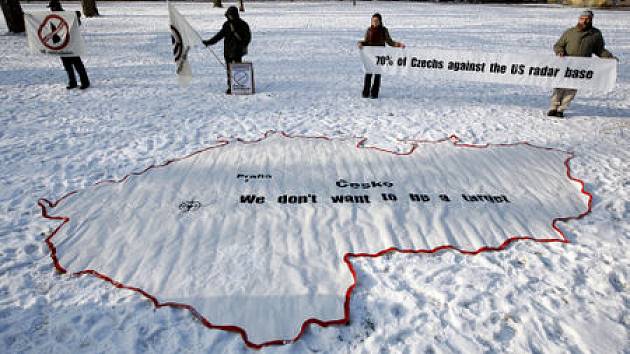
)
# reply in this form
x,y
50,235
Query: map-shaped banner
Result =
x,y
257,237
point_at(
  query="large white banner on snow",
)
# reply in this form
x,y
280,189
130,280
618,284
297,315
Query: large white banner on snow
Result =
x,y
592,74
55,33
258,235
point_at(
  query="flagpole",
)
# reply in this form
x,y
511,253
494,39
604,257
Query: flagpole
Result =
x,y
210,49
216,57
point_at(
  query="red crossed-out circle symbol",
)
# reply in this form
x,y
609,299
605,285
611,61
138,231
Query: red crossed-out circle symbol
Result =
x,y
54,32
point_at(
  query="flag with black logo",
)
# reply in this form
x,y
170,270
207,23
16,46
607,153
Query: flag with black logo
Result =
x,y
183,37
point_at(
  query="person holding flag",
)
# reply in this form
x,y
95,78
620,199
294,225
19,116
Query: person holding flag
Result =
x,y
237,37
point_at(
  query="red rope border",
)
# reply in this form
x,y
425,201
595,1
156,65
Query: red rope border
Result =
x,y
44,204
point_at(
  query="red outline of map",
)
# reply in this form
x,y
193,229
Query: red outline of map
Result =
x,y
44,204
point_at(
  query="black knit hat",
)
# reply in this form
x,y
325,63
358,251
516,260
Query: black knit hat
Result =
x,y
232,13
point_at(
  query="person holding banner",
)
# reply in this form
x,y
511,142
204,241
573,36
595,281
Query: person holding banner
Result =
x,y
237,36
583,40
72,63
376,35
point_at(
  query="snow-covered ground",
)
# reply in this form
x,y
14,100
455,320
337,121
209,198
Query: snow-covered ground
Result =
x,y
530,298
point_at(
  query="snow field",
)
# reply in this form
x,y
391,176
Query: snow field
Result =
x,y
531,298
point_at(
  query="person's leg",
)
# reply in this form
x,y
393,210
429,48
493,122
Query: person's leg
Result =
x,y
78,64
367,83
228,61
567,97
555,100
376,86
67,65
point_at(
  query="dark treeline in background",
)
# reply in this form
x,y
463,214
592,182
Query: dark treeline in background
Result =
x,y
14,16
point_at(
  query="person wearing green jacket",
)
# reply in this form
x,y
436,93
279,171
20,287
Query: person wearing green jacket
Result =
x,y
583,40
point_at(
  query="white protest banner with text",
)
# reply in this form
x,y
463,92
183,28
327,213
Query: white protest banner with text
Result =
x,y
55,33
592,74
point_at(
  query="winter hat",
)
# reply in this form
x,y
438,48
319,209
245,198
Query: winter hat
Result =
x,y
587,13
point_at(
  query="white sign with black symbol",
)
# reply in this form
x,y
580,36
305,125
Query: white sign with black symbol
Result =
x,y
54,33
242,78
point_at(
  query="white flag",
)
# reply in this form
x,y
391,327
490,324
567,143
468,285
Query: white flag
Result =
x,y
55,33
591,74
183,37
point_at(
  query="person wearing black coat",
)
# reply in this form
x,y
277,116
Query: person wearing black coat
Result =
x,y
72,63
236,35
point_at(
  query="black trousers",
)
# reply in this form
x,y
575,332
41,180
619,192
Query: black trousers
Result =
x,y
370,89
72,63
229,61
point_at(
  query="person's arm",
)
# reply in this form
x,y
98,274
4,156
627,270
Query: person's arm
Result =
x,y
560,47
248,34
600,49
391,42
217,37
244,36
362,43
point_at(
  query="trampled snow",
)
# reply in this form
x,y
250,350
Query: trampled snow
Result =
x,y
530,297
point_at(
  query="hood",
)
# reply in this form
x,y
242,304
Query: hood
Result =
x,y
232,13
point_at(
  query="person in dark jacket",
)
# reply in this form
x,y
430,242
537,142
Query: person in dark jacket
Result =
x,y
583,40
72,63
376,35
236,35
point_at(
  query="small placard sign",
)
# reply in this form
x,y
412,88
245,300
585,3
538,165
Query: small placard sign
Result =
x,y
242,78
